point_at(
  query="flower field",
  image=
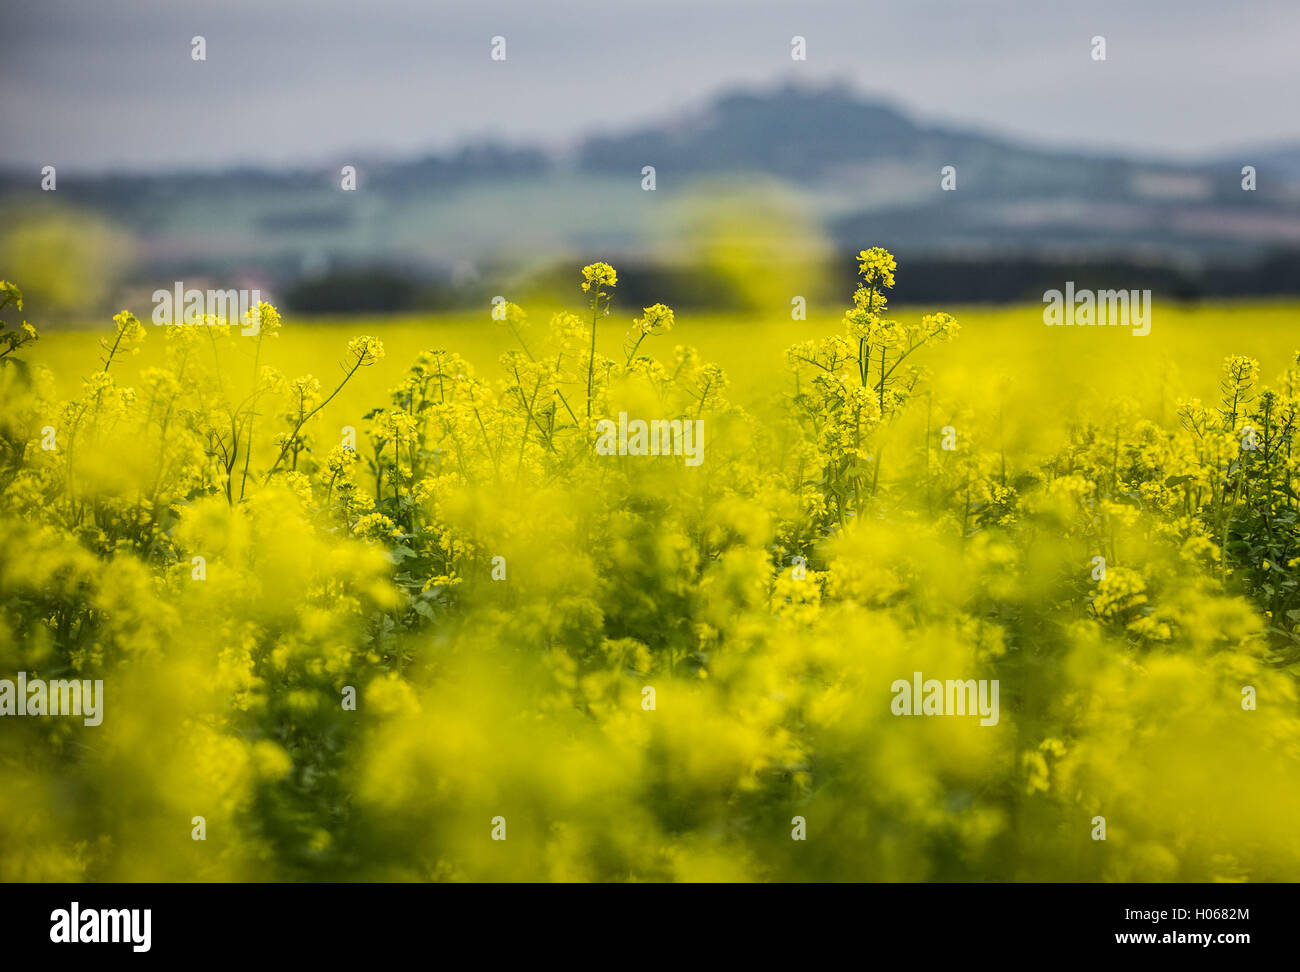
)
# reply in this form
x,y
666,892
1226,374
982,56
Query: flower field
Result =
x,y
367,602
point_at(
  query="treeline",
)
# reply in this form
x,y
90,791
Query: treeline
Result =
x,y
383,289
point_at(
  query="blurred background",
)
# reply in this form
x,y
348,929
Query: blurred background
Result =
x,y
477,177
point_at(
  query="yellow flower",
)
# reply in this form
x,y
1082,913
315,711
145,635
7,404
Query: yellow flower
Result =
x,y
877,266
128,334
366,349
340,460
598,275
510,313
1122,590
658,319
9,293
375,526
939,327
268,317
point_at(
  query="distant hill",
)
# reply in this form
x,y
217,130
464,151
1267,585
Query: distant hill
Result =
x,y
876,174
802,134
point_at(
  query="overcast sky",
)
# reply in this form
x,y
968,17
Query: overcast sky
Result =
x,y
110,83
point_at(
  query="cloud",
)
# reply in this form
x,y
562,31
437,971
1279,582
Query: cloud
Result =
x,y
297,81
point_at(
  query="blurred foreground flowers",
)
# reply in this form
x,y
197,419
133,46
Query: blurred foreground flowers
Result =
x,y
352,658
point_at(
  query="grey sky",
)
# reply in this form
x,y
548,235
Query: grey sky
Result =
x,y
100,83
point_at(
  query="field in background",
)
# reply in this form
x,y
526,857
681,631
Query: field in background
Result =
x,y
1037,374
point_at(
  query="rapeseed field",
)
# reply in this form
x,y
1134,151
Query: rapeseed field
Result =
x,y
948,595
